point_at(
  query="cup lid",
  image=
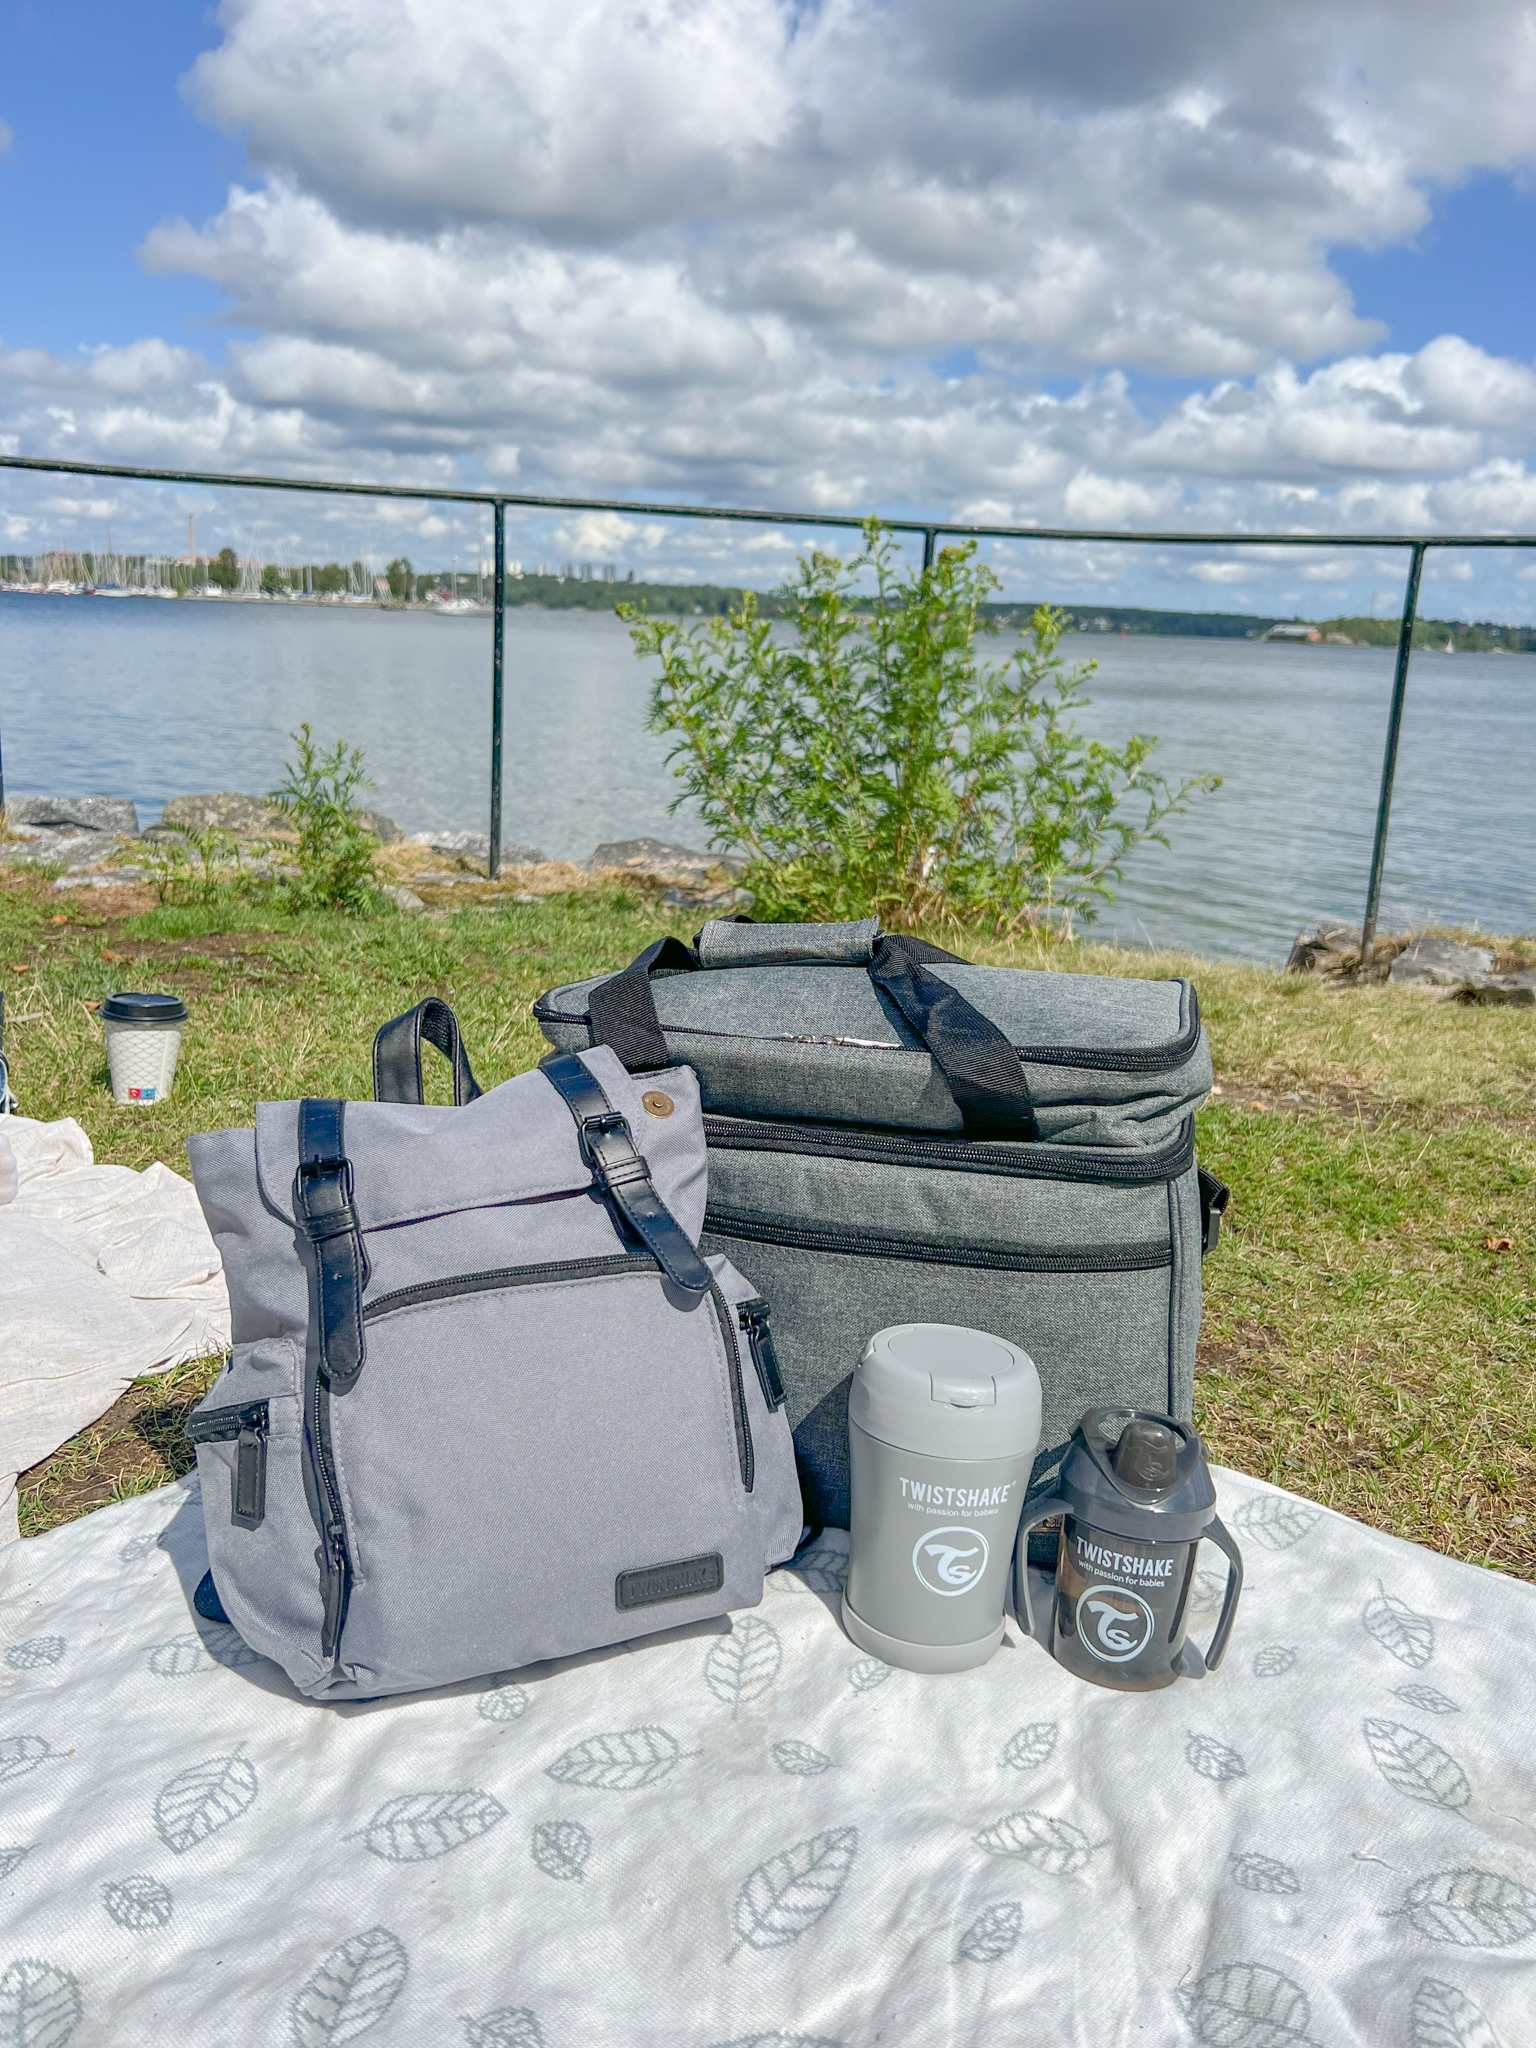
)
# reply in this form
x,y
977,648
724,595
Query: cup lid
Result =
x,y
126,1007
947,1392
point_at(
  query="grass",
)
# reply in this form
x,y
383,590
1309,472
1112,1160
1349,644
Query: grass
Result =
x,y
1368,1340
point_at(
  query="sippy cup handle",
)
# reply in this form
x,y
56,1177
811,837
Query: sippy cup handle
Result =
x,y
1223,1540
1041,1512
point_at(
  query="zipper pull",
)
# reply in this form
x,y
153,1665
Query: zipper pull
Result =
x,y
753,1317
248,1501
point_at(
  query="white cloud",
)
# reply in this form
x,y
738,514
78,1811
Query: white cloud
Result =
x,y
861,252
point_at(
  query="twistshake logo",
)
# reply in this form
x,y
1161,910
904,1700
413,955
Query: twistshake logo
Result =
x,y
950,1561
1114,1623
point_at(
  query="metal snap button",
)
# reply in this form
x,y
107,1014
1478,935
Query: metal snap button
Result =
x,y
654,1103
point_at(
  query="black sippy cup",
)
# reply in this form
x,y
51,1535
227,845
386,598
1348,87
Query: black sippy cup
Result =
x,y
1136,1496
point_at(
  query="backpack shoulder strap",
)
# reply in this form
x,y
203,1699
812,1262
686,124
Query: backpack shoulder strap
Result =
x,y
619,1170
322,1205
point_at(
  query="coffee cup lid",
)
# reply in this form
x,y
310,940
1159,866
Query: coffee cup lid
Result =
x,y
126,1007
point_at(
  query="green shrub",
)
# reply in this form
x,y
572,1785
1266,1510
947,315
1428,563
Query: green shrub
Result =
x,y
868,762
318,796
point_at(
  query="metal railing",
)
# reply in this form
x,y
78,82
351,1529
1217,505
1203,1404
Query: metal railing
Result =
x,y
930,530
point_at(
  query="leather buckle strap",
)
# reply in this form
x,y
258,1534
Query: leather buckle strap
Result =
x,y
621,1175
322,1207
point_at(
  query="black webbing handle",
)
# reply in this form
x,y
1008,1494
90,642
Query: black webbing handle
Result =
x,y
322,1208
397,1054
977,1061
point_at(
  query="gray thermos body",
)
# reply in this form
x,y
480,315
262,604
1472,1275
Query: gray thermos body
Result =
x,y
943,1426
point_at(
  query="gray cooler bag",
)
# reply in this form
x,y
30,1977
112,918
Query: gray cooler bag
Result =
x,y
895,1136
486,1403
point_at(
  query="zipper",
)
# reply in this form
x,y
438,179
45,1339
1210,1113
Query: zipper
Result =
x,y
1120,1258
333,1536
744,1453
1129,1060
1032,1161
753,1317
245,1426
614,1266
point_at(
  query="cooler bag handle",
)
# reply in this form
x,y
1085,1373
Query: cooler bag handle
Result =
x,y
397,1054
978,1062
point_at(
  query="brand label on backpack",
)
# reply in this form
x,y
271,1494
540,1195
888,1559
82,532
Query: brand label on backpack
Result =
x,y
679,1581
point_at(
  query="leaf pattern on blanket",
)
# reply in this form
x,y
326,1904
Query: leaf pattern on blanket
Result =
x,y
503,1703
226,1646
1209,1591
13,1856
1443,2017
417,1826
800,1759
203,1798
509,2026
1427,1698
1247,2005
618,1763
22,1753
351,1990
1256,1873
1031,1746
821,1571
1213,1759
868,1673
179,1658
561,1849
1471,1908
1407,1636
778,2039
1058,1847
788,1894
138,1903
742,1665
139,1546
992,1934
1415,1766
1273,1660
36,1653
1275,1522
39,2005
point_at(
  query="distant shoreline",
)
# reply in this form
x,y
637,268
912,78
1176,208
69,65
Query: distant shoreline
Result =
x,y
712,600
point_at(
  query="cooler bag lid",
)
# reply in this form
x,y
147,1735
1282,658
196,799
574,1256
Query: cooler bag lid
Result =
x,y
846,1024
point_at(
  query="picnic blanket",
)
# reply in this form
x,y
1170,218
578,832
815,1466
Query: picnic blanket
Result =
x,y
750,1833
105,1274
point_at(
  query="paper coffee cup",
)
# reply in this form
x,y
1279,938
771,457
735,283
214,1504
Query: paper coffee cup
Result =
x,y
143,1040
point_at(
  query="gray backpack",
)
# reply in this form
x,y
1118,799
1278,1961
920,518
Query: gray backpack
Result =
x,y
896,1136
487,1404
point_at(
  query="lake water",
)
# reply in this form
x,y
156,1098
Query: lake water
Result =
x,y
152,700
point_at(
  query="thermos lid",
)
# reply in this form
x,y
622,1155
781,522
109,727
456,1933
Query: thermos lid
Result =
x,y
945,1392
1138,1474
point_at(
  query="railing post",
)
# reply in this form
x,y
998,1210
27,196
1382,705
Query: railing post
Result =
x,y
1389,758
930,534
499,602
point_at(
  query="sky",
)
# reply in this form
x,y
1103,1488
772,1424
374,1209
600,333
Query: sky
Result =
x,y
1077,263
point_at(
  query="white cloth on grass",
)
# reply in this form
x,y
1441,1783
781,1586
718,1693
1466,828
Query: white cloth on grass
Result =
x,y
752,1833
105,1274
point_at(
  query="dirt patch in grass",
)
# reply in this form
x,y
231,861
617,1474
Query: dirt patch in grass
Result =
x,y
140,1443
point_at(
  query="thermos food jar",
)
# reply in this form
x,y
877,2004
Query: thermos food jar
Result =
x,y
1137,1497
943,1425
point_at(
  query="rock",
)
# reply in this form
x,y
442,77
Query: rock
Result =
x,y
104,878
707,899
227,810
1328,950
111,814
1504,988
438,881
252,817
405,899
70,849
668,867
1440,963
476,846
